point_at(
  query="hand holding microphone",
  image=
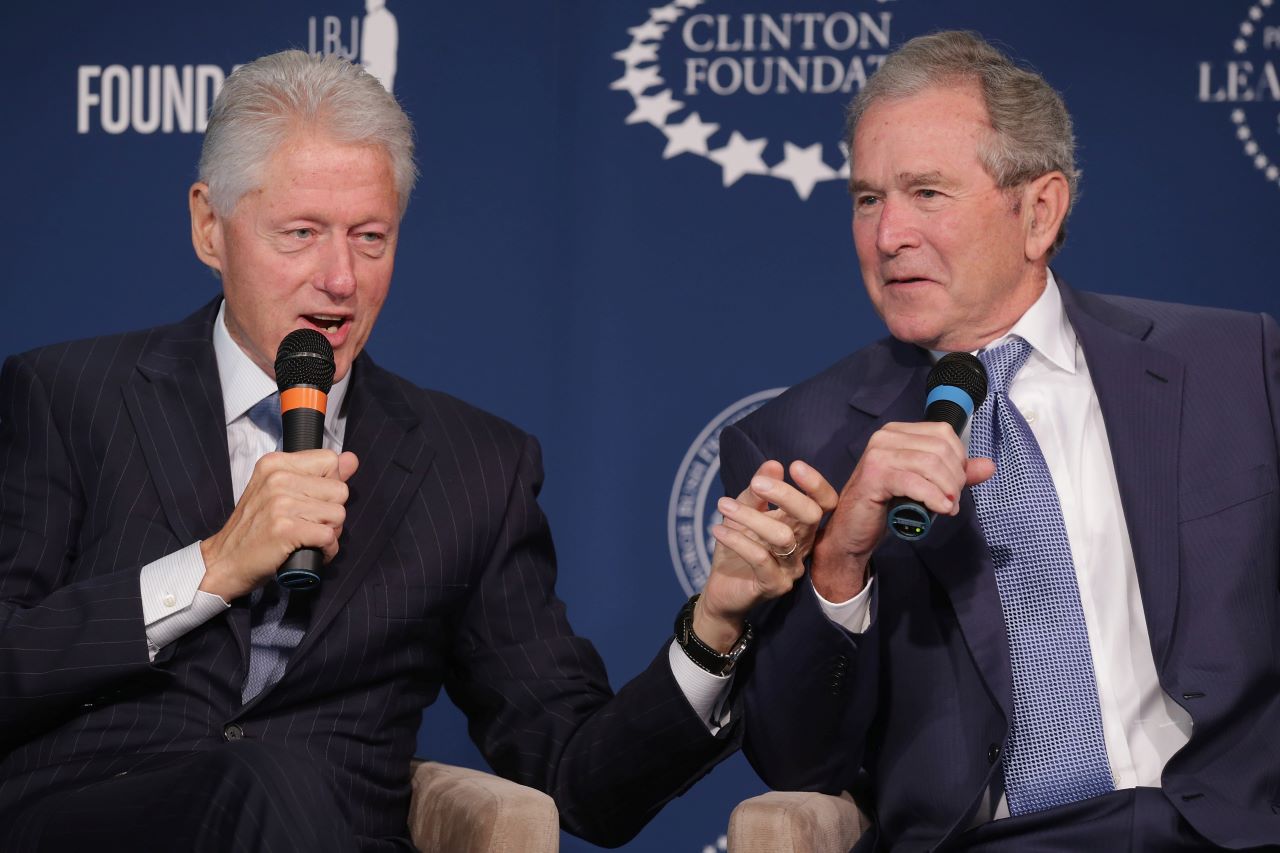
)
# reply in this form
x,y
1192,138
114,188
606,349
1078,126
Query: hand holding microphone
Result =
x,y
908,473
287,523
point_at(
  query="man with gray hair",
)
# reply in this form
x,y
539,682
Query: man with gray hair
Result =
x,y
158,689
1082,652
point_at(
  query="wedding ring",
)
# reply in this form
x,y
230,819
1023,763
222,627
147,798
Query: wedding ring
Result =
x,y
794,545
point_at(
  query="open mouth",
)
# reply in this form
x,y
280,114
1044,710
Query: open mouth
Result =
x,y
328,323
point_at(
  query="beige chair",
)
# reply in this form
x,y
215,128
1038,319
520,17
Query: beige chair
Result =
x,y
795,822
456,810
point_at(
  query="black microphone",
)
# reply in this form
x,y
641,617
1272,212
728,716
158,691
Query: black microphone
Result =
x,y
957,385
304,375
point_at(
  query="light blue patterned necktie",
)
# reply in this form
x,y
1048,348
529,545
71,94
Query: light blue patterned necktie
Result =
x,y
1056,753
274,632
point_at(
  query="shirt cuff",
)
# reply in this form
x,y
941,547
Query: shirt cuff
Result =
x,y
853,615
707,693
172,603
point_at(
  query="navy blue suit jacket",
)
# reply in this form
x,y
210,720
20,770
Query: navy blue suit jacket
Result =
x,y
113,452
911,716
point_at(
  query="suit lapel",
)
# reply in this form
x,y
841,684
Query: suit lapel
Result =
x,y
175,403
1139,389
955,551
383,432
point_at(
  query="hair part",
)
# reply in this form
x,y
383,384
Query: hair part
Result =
x,y
1031,128
274,97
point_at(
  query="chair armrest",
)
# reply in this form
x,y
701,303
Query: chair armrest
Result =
x,y
795,822
457,810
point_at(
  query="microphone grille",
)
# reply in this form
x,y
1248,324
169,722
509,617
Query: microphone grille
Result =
x,y
960,370
304,358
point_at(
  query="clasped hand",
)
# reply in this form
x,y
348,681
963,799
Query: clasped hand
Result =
x,y
292,501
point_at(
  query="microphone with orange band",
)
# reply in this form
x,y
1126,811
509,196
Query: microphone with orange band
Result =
x,y
304,375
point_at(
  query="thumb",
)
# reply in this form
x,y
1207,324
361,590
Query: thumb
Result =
x,y
347,465
978,470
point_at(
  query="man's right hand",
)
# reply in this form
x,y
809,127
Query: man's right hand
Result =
x,y
922,461
292,501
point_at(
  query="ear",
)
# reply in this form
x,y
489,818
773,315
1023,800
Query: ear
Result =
x,y
206,227
1044,205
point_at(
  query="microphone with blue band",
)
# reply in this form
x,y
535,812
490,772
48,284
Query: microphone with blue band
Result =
x,y
957,386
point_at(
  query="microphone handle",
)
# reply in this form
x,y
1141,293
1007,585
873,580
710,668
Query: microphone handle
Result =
x,y
909,519
303,430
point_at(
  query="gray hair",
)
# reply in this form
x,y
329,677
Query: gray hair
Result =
x,y
1033,134
262,103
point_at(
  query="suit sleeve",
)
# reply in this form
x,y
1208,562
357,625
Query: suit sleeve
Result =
x,y
1271,371
60,643
538,700
810,693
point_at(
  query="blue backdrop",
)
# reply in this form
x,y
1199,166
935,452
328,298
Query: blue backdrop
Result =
x,y
639,207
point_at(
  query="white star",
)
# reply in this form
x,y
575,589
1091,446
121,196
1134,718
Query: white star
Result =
x,y
1237,116
648,31
1240,45
1243,132
693,4
636,80
654,109
1255,13
1264,2
1260,161
637,53
804,167
740,157
689,135
1272,173
1246,28
843,174
667,14
1251,148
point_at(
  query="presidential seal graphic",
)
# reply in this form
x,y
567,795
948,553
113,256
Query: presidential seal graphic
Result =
x,y
692,510
754,88
1247,83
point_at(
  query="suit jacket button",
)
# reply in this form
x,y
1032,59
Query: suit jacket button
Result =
x,y
993,753
232,732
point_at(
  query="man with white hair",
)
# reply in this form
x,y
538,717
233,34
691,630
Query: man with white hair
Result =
x,y
158,689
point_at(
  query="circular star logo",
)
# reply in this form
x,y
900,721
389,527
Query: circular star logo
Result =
x,y
692,509
736,54
1249,83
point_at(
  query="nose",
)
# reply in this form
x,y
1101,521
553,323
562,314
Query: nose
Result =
x,y
896,228
338,277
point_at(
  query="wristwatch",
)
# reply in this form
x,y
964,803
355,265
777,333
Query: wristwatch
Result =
x,y
699,652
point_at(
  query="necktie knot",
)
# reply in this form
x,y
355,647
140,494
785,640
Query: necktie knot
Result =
x,y
1003,363
265,415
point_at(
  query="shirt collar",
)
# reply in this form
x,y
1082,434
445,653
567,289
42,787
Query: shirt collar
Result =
x,y
244,383
1045,326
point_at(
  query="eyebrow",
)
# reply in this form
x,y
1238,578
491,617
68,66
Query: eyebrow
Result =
x,y
903,179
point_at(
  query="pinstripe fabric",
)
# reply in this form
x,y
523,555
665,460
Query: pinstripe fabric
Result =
x,y
114,453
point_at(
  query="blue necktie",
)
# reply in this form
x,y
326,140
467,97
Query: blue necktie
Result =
x,y
1055,753
274,632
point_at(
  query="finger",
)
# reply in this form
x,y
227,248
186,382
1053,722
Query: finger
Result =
x,y
770,470
978,470
292,484
881,467
348,464
795,503
316,463
909,484
922,436
815,485
772,577
772,531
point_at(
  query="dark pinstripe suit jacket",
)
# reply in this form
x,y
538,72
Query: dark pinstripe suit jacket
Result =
x,y
113,453
911,715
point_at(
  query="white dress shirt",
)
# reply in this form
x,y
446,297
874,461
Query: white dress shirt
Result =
x,y
1142,726
172,603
